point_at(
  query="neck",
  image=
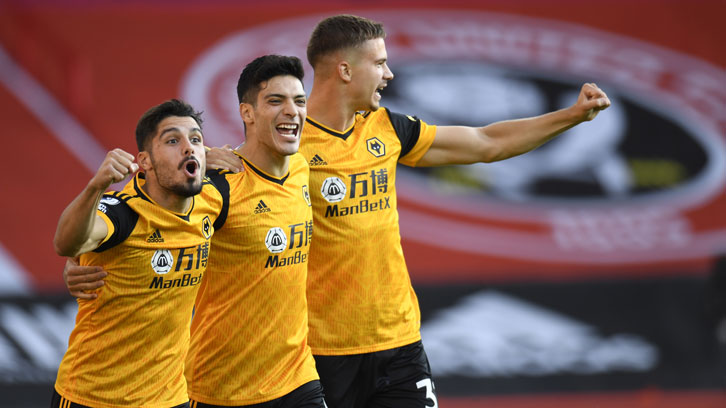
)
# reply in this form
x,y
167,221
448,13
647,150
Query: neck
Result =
x,y
167,199
262,158
328,105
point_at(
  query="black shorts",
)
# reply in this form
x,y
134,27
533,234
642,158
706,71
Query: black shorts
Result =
x,y
395,378
61,402
309,395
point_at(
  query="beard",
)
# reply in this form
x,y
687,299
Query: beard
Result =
x,y
191,188
186,188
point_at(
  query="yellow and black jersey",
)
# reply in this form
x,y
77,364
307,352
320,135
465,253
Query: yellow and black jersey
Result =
x,y
249,332
360,297
128,346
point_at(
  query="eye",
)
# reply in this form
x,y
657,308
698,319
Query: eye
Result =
x,y
301,102
172,141
196,139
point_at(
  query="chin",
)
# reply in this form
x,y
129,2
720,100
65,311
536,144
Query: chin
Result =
x,y
189,189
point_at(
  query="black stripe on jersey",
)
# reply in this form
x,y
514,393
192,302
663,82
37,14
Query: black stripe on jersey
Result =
x,y
124,220
343,136
139,192
217,178
408,129
59,402
121,196
267,177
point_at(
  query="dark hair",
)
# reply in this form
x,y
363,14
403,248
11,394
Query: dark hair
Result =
x,y
149,122
262,69
339,32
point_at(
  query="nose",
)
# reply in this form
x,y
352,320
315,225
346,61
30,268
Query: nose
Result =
x,y
187,149
289,108
387,73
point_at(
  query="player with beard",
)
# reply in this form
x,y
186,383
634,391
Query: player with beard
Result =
x,y
364,316
128,345
249,332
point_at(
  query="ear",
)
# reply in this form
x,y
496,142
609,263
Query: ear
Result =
x,y
144,161
345,71
246,112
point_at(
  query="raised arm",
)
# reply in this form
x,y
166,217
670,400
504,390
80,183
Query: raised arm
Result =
x,y
502,140
79,229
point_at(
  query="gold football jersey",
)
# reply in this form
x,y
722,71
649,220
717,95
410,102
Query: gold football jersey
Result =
x,y
249,332
360,297
128,345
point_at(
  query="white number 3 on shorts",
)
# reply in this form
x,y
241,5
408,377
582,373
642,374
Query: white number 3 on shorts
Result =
x,y
429,391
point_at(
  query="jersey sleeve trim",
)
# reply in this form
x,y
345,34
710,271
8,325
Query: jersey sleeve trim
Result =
x,y
407,129
217,178
424,140
122,221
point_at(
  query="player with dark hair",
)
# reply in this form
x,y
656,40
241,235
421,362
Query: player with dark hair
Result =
x,y
363,313
128,346
249,334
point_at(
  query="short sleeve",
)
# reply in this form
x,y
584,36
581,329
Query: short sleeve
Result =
x,y
119,218
415,135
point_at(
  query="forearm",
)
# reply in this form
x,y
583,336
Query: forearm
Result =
x,y
73,235
502,140
514,137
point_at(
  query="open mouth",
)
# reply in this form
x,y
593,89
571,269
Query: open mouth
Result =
x,y
379,90
288,129
191,167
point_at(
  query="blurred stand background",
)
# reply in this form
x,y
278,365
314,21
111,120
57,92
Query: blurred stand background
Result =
x,y
590,272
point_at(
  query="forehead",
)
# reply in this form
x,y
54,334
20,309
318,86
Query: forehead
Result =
x,y
183,123
282,85
375,49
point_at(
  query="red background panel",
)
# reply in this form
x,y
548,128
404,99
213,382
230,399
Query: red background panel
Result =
x,y
106,62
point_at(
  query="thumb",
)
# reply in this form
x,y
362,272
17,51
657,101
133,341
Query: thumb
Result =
x,y
134,168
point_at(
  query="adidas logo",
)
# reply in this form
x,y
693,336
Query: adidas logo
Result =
x,y
317,161
155,237
261,208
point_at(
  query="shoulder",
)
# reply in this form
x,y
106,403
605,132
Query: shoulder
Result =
x,y
214,190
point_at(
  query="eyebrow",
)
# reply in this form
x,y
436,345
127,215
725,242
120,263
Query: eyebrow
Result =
x,y
284,96
176,129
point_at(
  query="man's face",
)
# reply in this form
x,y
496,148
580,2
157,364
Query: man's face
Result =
x,y
279,114
370,73
177,156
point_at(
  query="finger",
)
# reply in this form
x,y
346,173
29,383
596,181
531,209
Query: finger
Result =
x,y
90,286
73,280
123,154
83,295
